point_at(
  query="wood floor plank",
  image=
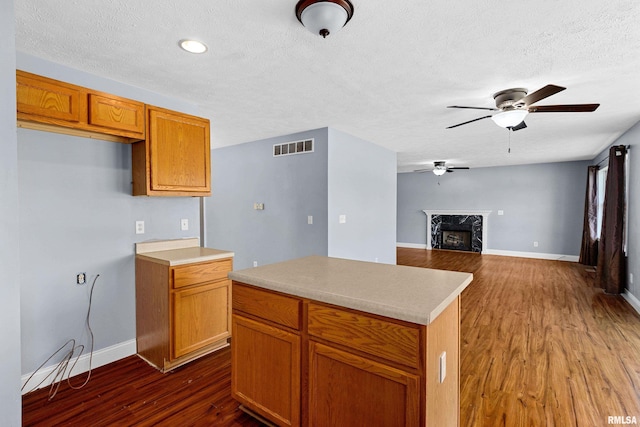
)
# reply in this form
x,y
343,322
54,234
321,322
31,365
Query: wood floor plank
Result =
x,y
540,346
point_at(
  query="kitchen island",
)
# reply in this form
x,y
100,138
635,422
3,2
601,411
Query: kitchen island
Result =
x,y
331,342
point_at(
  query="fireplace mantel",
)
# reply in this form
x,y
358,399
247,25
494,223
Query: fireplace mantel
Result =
x,y
484,214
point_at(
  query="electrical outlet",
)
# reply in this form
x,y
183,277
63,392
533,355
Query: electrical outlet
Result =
x,y
500,212
631,278
342,219
535,244
184,224
81,278
139,227
255,263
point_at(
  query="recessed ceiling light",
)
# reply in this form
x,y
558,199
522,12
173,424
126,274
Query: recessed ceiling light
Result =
x,y
193,46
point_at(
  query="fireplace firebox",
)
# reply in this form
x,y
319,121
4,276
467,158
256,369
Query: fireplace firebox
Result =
x,y
459,240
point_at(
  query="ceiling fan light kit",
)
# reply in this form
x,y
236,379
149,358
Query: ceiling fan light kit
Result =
x,y
439,169
509,118
324,17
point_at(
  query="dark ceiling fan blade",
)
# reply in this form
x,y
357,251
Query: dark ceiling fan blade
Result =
x,y
473,108
460,168
522,125
568,108
422,170
470,121
542,93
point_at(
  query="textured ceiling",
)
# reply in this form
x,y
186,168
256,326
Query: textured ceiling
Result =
x,y
386,77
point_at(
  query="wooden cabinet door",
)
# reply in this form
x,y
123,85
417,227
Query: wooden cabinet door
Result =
x,y
265,370
200,316
348,390
179,152
113,112
48,100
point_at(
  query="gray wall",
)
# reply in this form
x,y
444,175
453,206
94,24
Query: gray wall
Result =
x,y
10,402
541,202
344,175
632,139
362,186
291,187
77,215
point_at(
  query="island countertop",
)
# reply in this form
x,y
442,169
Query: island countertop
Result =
x,y
411,294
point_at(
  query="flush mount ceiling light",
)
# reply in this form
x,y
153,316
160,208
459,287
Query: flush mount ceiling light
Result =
x,y
192,46
324,17
509,118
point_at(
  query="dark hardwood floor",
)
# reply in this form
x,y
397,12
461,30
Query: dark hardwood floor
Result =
x,y
129,392
540,347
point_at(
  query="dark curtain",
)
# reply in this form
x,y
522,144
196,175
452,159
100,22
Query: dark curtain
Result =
x,y
611,270
589,248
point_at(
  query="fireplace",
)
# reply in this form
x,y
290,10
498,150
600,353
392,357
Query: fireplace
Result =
x,y
457,230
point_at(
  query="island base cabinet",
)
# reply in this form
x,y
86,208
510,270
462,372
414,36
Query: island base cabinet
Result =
x,y
297,361
266,370
349,390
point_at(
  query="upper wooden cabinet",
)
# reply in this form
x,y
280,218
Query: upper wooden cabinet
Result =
x,y
175,158
171,151
54,106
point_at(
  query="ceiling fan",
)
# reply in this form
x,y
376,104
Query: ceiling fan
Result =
x,y
439,168
515,104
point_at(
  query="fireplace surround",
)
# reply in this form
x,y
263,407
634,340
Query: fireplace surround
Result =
x,y
457,230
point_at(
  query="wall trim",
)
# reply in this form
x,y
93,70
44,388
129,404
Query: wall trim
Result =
x,y
537,255
632,300
100,358
411,245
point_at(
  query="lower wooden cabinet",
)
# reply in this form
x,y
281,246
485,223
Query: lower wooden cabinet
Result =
x,y
350,390
182,312
200,317
266,374
300,362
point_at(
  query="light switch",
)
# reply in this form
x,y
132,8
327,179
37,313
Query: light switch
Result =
x,y
184,224
342,219
310,219
443,367
501,212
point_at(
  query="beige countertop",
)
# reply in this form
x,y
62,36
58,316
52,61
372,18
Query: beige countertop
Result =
x,y
412,294
178,252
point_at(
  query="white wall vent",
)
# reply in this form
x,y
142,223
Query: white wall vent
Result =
x,y
295,147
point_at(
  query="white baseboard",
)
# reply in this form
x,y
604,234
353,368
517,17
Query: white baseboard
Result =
x,y
632,300
100,358
537,255
411,245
